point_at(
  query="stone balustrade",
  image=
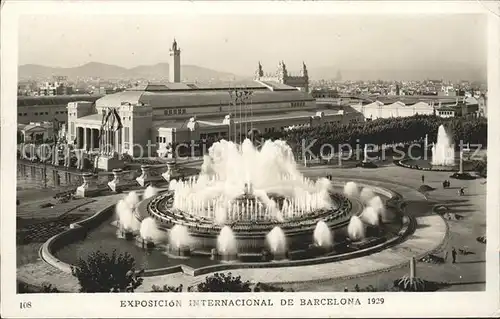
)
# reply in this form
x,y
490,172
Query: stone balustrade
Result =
x,y
118,182
150,175
171,172
89,185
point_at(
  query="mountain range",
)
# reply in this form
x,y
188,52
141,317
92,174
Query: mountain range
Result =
x,y
193,73
159,71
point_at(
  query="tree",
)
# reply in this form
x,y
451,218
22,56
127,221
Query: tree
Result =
x,y
482,168
385,131
220,282
166,288
102,272
126,157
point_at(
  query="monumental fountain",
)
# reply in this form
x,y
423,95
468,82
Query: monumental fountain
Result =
x,y
246,203
250,206
443,151
443,157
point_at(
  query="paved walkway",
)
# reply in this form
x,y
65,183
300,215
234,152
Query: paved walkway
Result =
x,y
430,233
428,236
469,273
35,271
33,210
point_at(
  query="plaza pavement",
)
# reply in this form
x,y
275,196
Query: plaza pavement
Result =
x,y
430,233
469,273
32,269
377,269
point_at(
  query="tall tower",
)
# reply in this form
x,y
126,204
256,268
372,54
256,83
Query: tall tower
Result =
x,y
304,71
282,72
305,77
259,73
175,63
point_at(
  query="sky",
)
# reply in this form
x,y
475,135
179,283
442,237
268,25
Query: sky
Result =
x,y
237,43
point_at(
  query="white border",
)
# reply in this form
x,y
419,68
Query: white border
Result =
x,y
482,304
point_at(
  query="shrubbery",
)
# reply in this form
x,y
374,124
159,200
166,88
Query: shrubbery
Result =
x,y
481,167
385,131
166,288
102,272
368,288
220,282
409,284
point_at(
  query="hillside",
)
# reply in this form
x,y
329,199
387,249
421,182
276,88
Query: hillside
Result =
x,y
103,71
193,73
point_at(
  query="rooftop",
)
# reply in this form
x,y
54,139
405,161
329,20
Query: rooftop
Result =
x,y
43,125
195,97
55,99
244,84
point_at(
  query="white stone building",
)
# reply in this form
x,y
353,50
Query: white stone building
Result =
x,y
378,109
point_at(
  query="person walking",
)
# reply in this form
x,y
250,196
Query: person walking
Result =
x,y
454,255
423,179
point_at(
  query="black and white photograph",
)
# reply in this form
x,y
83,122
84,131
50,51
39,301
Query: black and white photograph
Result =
x,y
311,161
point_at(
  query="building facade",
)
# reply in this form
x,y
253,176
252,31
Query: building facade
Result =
x,y
59,86
35,132
378,109
325,94
162,115
420,105
47,108
301,81
482,106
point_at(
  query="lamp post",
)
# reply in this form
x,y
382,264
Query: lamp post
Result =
x,y
44,173
239,98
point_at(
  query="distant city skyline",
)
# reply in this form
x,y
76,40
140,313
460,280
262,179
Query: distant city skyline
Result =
x,y
237,43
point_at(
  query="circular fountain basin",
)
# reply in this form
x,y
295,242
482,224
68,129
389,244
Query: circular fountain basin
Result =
x,y
426,165
249,234
203,257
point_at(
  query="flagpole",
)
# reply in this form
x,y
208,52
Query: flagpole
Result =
x,y
117,131
109,138
241,103
109,135
104,134
246,115
112,133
